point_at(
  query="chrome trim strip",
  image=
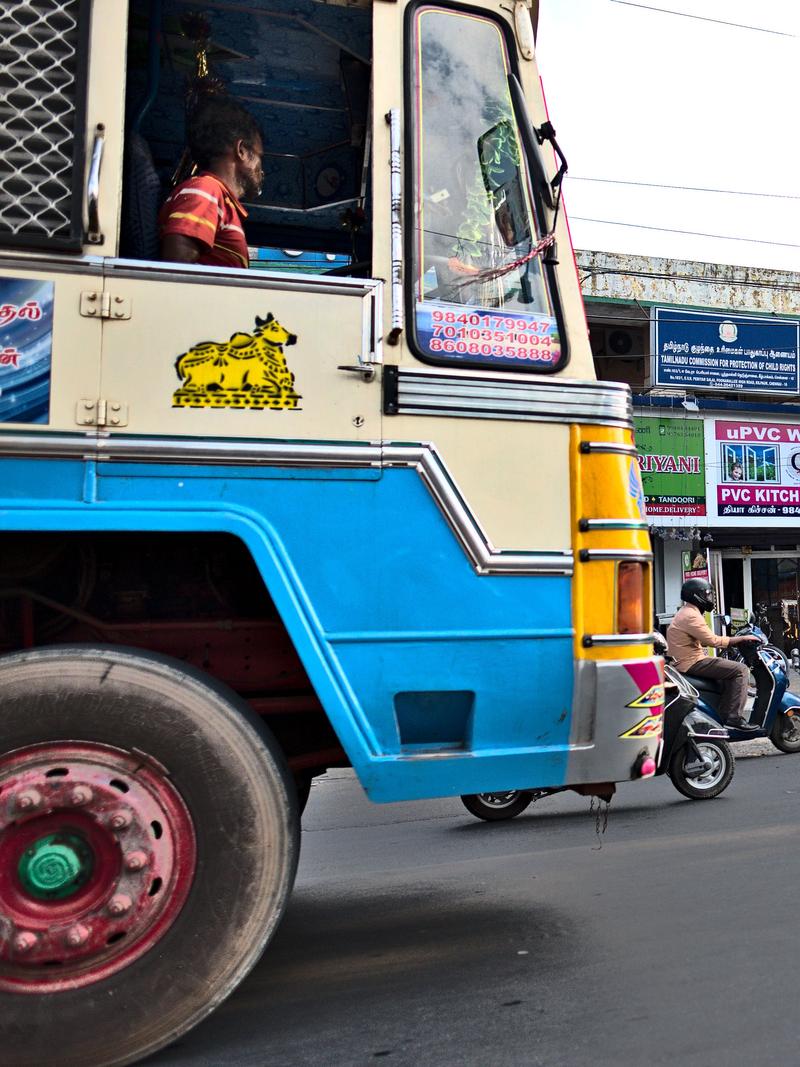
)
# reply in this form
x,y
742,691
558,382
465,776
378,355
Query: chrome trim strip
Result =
x,y
607,447
586,525
626,555
360,637
242,278
50,264
488,396
610,640
396,228
130,449
485,558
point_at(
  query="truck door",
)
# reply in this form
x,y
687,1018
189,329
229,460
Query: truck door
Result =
x,y
210,354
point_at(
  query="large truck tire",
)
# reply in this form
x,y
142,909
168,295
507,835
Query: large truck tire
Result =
x,y
149,837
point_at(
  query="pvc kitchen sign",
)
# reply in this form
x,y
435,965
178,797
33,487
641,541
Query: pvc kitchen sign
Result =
x,y
758,472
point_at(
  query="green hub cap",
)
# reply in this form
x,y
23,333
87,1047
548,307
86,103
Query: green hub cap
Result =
x,y
55,866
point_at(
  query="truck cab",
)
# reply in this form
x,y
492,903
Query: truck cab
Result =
x,y
360,502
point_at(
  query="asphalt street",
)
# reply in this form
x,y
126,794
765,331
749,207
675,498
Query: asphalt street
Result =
x,y
419,936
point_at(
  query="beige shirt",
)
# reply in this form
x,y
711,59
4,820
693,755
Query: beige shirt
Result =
x,y
687,636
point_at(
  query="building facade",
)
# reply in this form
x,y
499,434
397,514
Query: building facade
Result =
x,y
712,354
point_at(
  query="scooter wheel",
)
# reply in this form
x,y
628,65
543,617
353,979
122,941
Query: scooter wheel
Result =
x,y
711,782
785,733
496,807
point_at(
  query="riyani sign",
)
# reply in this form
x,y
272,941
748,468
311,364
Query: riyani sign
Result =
x,y
672,463
702,350
758,471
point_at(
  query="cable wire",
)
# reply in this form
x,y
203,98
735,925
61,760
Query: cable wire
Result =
x,y
690,233
704,18
685,188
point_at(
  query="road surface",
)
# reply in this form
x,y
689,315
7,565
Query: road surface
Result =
x,y
419,936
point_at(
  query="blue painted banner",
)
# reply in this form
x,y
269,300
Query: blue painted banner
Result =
x,y
466,334
26,345
701,350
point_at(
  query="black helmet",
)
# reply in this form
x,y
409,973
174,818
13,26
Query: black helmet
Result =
x,y
698,591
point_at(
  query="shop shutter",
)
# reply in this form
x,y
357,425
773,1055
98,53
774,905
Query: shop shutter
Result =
x,y
42,119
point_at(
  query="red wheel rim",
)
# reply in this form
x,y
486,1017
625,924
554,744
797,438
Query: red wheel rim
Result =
x,y
97,856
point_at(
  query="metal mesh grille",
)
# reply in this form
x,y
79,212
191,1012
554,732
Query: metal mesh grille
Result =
x,y
38,96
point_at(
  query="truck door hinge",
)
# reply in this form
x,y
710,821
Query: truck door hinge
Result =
x,y
96,305
101,413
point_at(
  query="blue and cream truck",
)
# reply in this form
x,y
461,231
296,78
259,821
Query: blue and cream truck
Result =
x,y
406,536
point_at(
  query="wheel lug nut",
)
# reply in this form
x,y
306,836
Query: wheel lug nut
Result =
x,y
80,795
24,941
77,935
120,820
136,861
119,904
28,799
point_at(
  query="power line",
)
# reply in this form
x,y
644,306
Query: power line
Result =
x,y
685,188
690,233
703,18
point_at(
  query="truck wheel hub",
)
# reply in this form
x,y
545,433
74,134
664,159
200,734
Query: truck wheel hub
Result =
x,y
55,867
97,857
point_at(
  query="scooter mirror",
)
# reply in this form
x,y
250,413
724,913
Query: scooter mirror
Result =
x,y
726,619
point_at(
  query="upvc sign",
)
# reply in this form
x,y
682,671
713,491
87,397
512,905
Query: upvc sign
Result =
x,y
758,465
729,353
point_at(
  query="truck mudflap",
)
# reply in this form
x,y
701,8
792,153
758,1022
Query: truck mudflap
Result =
x,y
618,715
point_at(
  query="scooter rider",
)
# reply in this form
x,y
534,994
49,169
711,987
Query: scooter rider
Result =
x,y
688,635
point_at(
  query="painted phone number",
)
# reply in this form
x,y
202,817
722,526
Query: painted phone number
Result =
x,y
465,333
475,348
502,323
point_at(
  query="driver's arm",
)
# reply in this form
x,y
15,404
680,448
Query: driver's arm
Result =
x,y
178,248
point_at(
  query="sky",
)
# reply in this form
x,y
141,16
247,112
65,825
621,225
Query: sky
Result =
x,y
638,94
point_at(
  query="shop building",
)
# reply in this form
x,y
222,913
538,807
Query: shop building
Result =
x,y
712,354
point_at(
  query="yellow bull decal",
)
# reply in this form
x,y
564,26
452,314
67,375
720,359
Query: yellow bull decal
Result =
x,y
248,371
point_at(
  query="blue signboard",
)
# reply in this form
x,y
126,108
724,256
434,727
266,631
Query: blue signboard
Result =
x,y
706,351
26,344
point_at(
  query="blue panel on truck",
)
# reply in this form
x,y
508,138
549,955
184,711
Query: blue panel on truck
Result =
x,y
383,606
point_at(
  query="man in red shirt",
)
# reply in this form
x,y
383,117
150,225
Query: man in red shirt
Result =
x,y
202,219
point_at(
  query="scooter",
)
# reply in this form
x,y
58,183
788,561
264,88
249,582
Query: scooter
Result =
x,y
694,753
734,652
775,710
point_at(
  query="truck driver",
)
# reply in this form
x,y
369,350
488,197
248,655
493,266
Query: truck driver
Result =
x,y
202,219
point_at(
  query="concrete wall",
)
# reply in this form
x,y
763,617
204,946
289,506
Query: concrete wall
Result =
x,y
614,276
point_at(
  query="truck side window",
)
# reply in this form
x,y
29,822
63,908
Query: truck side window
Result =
x,y
480,292
313,113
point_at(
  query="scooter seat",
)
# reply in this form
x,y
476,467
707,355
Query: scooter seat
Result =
x,y
705,685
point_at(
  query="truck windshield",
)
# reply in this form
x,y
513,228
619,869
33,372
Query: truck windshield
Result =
x,y
479,292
